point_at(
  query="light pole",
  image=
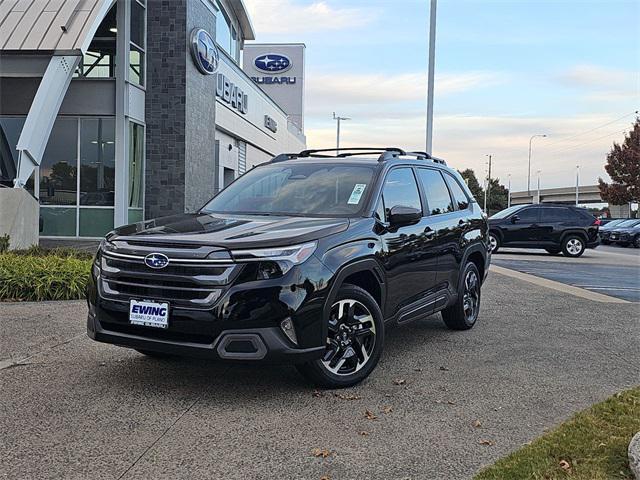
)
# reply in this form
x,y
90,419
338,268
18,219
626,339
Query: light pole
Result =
x,y
529,170
338,119
431,73
577,183
509,191
487,189
539,186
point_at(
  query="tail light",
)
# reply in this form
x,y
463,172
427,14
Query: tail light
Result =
x,y
597,222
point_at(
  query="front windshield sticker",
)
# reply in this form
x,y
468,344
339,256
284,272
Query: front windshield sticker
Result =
x,y
358,190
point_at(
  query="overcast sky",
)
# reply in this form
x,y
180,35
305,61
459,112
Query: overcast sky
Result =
x,y
505,70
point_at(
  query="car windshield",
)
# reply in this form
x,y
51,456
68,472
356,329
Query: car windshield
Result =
x,y
322,190
506,212
629,223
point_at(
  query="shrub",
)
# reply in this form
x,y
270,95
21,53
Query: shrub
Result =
x,y
4,243
47,277
38,251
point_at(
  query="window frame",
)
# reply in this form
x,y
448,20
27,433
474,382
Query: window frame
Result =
x,y
537,209
424,193
380,198
448,177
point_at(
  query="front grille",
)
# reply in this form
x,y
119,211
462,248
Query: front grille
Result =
x,y
157,333
193,284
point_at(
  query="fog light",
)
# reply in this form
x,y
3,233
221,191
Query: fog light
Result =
x,y
289,330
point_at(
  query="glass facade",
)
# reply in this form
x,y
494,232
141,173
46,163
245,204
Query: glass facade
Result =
x,y
137,43
100,59
136,172
226,33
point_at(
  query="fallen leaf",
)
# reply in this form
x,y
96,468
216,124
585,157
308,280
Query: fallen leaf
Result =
x,y
490,443
318,394
364,434
347,396
399,381
369,415
444,369
417,369
387,409
321,452
566,466
325,478
477,423
451,402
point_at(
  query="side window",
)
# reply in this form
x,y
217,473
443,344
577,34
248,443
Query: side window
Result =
x,y
459,197
400,189
528,215
436,191
558,214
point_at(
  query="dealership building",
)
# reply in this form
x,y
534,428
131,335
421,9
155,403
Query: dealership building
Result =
x,y
115,111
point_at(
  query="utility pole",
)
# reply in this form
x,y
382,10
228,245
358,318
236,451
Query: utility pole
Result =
x,y
509,191
487,190
338,119
431,74
539,186
577,183
529,170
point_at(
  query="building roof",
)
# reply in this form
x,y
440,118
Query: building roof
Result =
x,y
240,10
50,25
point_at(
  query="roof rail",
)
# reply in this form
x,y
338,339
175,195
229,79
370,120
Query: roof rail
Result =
x,y
312,153
283,157
427,156
386,153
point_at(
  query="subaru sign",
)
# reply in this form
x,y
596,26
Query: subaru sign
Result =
x,y
156,260
204,51
272,63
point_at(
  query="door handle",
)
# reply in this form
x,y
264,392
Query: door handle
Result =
x,y
464,223
429,232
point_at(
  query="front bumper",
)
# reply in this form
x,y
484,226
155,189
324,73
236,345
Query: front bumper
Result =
x,y
266,344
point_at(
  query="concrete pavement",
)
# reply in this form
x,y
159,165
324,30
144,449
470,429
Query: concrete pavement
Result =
x,y
72,408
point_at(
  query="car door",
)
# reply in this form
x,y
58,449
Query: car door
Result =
x,y
445,221
551,223
521,227
410,266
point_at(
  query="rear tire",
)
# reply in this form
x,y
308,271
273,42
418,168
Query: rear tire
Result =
x,y
355,341
494,242
573,246
464,313
636,242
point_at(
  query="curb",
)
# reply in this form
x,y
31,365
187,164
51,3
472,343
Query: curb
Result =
x,y
634,456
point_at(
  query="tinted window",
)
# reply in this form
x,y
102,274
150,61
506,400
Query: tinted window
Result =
x,y
400,189
438,198
299,189
559,214
506,212
528,215
459,197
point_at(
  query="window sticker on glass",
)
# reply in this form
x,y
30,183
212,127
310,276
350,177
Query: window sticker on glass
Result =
x,y
358,190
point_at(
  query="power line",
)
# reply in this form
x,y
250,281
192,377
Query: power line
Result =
x,y
571,147
591,130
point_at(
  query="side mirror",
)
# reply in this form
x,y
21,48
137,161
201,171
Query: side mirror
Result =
x,y
399,216
515,219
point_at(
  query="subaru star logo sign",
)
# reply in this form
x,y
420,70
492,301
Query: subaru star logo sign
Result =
x,y
204,51
156,260
272,63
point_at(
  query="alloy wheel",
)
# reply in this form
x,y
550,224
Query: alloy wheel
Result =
x,y
493,243
574,246
471,297
351,339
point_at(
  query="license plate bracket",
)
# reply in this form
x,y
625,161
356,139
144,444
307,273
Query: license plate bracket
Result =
x,y
147,313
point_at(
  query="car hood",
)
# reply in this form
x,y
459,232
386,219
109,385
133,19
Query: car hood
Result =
x,y
626,230
230,231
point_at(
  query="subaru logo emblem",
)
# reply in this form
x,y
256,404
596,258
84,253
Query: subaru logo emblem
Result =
x,y
156,260
272,63
204,51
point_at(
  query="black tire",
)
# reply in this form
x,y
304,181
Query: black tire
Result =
x,y
494,242
355,367
553,251
152,354
573,246
636,241
605,242
464,313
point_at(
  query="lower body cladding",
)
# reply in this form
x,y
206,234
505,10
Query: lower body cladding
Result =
x,y
275,321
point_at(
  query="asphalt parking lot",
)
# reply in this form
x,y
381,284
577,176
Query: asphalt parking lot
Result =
x,y
72,408
609,270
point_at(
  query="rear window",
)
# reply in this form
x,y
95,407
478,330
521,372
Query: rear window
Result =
x,y
556,214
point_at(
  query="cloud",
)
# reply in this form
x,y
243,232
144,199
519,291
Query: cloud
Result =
x,y
357,92
287,16
596,77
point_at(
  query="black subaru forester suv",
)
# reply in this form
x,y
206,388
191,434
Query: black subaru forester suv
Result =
x,y
306,259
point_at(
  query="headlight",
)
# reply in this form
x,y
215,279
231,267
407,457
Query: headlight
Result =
x,y
275,262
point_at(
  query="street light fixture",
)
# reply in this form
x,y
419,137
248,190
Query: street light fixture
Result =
x,y
338,119
529,170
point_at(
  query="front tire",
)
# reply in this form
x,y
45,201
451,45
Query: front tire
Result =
x,y
494,242
464,313
355,339
636,242
573,246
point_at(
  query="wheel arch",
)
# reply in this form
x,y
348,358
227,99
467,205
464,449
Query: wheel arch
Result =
x,y
582,234
477,254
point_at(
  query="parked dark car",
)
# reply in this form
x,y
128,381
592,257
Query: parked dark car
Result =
x,y
306,259
626,233
555,228
605,230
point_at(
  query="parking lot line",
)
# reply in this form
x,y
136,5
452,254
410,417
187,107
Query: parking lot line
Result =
x,y
561,287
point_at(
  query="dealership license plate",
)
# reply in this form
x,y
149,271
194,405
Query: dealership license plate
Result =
x,y
149,314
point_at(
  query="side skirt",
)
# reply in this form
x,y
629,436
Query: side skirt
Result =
x,y
428,305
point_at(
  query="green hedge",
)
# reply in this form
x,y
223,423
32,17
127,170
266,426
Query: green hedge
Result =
x,y
47,275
